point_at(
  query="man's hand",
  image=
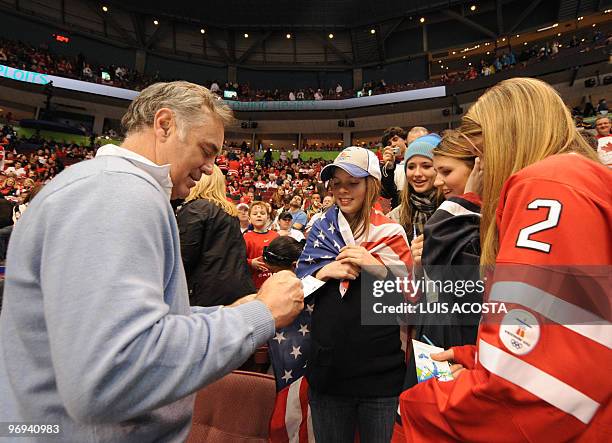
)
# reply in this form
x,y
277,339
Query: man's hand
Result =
x,y
243,300
389,157
284,296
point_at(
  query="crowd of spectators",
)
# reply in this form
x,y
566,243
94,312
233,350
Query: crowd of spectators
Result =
x,y
41,59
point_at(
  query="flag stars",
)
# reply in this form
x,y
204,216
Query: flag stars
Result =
x,y
303,329
296,352
309,260
336,245
316,244
321,235
309,308
331,229
288,376
279,337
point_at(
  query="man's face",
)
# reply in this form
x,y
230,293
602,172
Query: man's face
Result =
x,y
284,223
603,127
296,201
193,156
397,142
328,201
243,214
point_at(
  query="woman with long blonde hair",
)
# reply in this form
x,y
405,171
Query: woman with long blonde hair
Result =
x,y
419,198
212,247
536,371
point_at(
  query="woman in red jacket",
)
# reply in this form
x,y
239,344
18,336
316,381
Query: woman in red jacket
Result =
x,y
540,370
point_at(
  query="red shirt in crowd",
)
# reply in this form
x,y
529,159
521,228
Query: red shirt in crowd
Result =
x,y
255,243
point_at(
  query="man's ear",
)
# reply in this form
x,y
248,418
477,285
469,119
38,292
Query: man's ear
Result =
x,y
164,123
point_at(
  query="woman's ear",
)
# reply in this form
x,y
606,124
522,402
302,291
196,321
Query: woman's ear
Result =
x,y
294,265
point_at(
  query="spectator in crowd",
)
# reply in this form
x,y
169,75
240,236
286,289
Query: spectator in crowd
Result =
x,y
602,106
243,216
394,143
284,227
282,254
295,155
347,392
602,126
212,247
299,217
525,160
122,345
419,198
256,239
451,248
327,203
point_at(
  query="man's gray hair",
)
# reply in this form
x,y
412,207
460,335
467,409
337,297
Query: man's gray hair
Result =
x,y
186,100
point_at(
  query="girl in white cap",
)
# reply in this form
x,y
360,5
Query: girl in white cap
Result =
x,y
355,372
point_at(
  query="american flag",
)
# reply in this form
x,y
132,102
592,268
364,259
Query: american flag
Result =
x,y
289,349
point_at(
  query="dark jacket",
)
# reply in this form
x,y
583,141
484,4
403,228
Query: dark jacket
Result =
x,y
388,187
214,254
348,358
451,252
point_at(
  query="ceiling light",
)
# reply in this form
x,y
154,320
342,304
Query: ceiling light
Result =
x,y
288,35
504,39
580,18
464,56
155,22
372,31
331,35
105,8
202,31
246,35
454,52
559,35
473,8
518,35
593,24
422,19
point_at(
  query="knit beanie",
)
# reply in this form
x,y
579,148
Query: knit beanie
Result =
x,y
422,146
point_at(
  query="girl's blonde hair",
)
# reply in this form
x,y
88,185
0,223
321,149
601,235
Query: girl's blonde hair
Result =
x,y
520,122
212,188
456,144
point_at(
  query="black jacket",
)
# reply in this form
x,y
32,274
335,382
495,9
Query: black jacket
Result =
x,y
451,252
348,358
214,255
388,187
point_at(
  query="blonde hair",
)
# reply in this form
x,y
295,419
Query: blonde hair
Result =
x,y
186,100
520,121
457,145
212,188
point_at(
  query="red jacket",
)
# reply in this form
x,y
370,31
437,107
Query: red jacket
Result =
x,y
547,376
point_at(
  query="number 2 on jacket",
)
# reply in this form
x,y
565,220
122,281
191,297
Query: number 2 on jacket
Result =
x,y
552,220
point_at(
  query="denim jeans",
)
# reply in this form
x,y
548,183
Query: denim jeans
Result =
x,y
336,419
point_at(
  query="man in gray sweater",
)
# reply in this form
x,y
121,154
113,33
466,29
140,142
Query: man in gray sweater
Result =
x,y
97,337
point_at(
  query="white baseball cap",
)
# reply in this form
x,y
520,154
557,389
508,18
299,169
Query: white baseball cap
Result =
x,y
356,161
